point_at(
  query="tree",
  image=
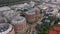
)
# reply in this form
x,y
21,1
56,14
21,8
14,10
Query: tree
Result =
x,y
11,2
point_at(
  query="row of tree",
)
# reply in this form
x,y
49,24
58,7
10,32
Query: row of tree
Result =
x,y
11,2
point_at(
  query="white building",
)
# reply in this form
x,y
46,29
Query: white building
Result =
x,y
6,28
7,12
5,8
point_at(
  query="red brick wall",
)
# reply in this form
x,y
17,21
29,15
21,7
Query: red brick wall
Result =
x,y
56,30
12,32
20,28
52,32
30,18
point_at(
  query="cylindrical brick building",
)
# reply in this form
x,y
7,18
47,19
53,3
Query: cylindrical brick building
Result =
x,y
37,11
32,14
38,15
6,28
19,23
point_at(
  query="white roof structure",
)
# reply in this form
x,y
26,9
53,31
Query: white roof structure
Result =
x,y
32,3
58,22
8,30
55,11
4,8
18,20
47,5
9,14
58,15
19,5
45,8
39,22
30,12
47,21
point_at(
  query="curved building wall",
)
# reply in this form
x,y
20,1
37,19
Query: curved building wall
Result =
x,y
6,28
32,14
19,24
37,11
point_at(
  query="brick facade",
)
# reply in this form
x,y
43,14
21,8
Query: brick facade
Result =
x,y
56,30
20,25
32,14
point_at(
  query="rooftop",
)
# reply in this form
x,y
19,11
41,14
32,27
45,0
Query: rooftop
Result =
x,y
4,8
17,20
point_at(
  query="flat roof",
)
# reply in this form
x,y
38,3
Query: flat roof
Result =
x,y
4,8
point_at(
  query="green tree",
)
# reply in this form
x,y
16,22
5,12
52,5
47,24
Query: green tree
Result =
x,y
11,2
